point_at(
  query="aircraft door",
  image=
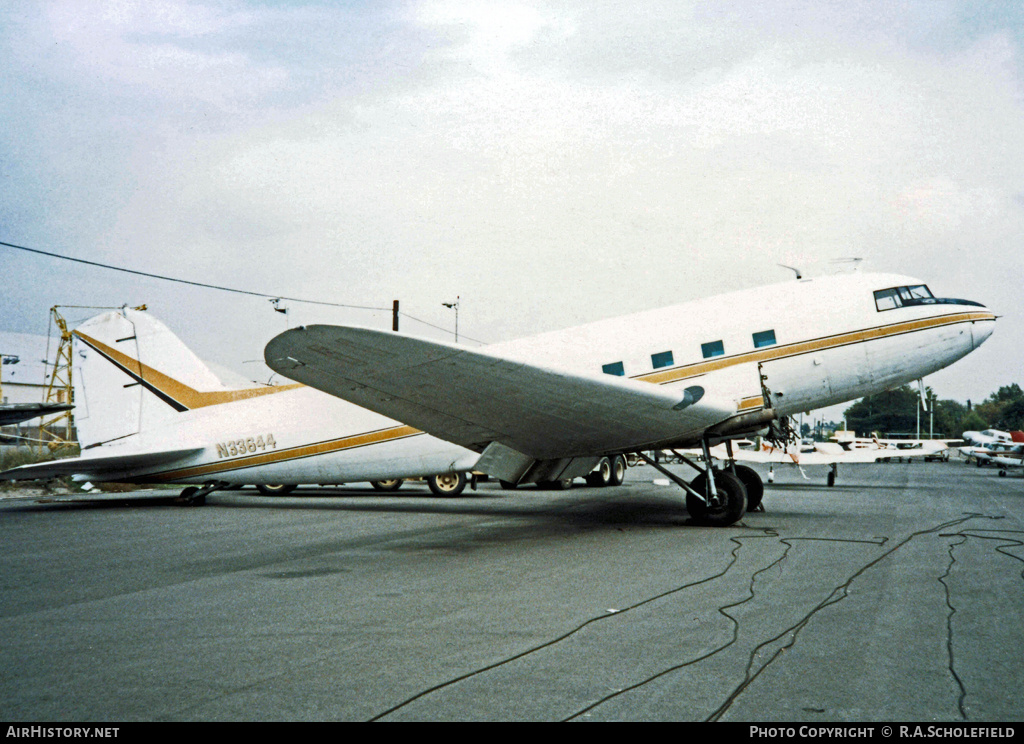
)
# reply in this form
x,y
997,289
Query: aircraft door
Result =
x,y
797,383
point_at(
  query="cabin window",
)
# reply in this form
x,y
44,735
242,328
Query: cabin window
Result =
x,y
712,349
764,338
615,368
662,359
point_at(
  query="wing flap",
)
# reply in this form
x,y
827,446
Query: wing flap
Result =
x,y
472,398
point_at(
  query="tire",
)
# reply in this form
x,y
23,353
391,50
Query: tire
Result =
x,y
831,479
448,485
276,489
602,475
391,484
733,506
752,482
618,470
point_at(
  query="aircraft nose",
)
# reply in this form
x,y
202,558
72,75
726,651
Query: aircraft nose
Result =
x,y
980,331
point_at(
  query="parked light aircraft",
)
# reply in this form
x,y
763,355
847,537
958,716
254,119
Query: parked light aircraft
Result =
x,y
832,454
981,444
981,438
1008,455
548,406
545,408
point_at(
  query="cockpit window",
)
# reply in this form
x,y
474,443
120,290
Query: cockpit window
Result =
x,y
888,299
920,292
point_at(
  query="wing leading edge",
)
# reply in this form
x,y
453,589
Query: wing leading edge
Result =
x,y
474,399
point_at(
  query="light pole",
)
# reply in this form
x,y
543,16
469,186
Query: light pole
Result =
x,y
454,306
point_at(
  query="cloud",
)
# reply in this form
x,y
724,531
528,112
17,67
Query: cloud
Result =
x,y
549,164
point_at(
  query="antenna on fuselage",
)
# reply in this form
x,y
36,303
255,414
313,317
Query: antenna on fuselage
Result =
x,y
799,274
852,263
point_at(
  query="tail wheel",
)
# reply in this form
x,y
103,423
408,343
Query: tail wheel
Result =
x,y
191,496
391,484
447,484
732,500
276,489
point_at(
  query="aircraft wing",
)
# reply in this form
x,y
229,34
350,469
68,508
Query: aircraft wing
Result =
x,y
102,465
852,457
1009,462
474,398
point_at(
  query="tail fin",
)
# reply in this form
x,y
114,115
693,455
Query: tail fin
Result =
x,y
133,374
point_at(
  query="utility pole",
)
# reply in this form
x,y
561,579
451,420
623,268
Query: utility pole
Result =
x,y
454,306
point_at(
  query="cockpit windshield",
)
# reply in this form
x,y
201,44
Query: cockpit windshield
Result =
x,y
918,294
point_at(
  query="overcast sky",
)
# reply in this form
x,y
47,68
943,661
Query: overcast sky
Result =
x,y
544,163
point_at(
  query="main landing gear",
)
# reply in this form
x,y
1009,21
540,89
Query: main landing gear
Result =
x,y
717,497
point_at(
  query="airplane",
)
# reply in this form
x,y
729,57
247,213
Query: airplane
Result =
x,y
832,454
1007,455
690,375
988,436
544,409
980,444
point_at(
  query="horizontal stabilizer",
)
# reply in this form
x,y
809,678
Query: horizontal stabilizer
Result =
x,y
473,398
15,413
100,465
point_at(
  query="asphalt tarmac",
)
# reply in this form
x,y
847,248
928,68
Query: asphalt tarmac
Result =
x,y
896,595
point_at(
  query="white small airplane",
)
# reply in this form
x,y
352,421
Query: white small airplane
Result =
x,y
988,436
833,454
543,409
691,375
1007,455
983,445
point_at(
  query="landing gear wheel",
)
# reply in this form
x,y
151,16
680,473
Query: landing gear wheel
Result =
x,y
618,470
831,478
447,484
602,475
276,489
732,500
755,487
391,484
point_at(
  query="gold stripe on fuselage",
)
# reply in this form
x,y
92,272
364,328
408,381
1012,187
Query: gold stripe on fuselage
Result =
x,y
805,347
289,454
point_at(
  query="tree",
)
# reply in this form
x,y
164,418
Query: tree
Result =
x,y
888,412
1004,409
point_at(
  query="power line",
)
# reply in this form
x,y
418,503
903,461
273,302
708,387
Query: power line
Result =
x,y
186,281
217,287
